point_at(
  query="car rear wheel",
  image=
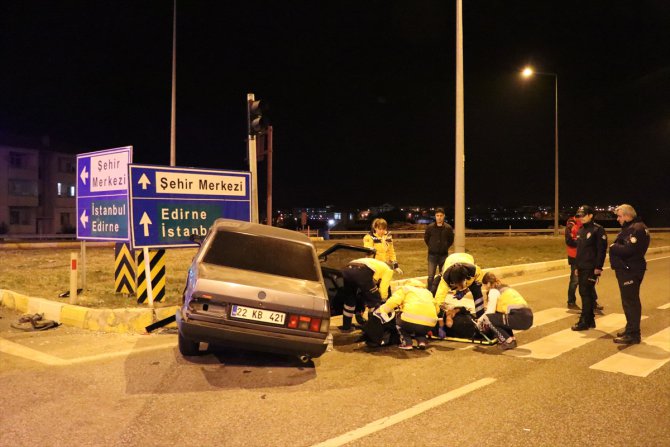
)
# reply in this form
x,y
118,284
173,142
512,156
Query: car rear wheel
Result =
x,y
188,347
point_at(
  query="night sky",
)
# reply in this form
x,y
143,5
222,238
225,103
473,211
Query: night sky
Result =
x,y
361,93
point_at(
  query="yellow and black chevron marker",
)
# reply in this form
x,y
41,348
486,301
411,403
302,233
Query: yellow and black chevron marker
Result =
x,y
124,269
157,262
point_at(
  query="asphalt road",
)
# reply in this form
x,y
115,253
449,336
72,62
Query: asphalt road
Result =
x,y
558,388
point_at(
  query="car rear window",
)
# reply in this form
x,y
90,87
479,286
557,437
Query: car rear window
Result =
x,y
262,254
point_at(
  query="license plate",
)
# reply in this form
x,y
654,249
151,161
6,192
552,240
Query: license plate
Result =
x,y
265,316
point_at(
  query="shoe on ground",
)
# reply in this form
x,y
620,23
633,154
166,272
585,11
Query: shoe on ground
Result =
x,y
422,345
345,329
507,345
581,326
573,306
621,334
592,324
627,340
406,346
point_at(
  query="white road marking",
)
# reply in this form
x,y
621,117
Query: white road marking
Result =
x,y
561,342
665,306
639,360
19,350
381,424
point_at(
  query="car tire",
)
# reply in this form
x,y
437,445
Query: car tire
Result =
x,y
188,347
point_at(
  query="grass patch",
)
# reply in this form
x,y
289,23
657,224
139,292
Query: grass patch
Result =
x,y
45,272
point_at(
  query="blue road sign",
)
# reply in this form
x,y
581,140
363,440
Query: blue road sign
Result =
x,y
168,205
102,195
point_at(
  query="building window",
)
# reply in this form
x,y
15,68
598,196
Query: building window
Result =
x,y
65,190
19,216
23,188
337,216
66,165
18,160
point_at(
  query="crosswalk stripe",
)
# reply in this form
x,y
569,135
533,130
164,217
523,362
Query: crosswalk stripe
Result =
x,y
550,315
558,343
665,306
639,360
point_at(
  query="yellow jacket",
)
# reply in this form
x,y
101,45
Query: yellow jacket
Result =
x,y
509,298
384,247
457,258
383,274
416,303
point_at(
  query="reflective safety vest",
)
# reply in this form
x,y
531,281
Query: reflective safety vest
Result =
x,y
509,298
383,245
416,303
457,258
382,274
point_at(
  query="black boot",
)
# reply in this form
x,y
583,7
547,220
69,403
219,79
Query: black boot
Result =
x,y
582,326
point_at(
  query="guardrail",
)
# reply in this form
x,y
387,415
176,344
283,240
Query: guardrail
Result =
x,y
419,233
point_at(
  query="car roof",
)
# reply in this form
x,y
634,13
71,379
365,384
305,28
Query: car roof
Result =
x,y
239,226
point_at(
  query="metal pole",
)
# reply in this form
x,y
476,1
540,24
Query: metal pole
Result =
x,y
173,115
269,155
253,169
459,200
556,208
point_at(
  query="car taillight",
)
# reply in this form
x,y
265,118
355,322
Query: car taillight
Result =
x,y
305,323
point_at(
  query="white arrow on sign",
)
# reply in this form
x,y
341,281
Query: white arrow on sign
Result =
x,y
84,175
146,222
84,219
144,181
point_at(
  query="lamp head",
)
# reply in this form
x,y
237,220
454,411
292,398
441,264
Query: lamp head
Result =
x,y
527,72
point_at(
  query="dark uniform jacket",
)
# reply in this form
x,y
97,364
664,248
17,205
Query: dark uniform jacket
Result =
x,y
591,247
438,239
628,250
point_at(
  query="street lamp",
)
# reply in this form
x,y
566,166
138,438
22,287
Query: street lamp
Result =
x,y
527,73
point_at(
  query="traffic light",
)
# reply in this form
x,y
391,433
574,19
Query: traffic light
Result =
x,y
255,119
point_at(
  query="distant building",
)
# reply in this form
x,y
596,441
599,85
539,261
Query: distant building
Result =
x,y
37,187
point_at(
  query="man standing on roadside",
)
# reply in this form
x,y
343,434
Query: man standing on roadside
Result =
x,y
627,260
591,250
439,236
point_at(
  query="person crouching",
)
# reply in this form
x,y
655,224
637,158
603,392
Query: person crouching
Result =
x,y
506,310
417,316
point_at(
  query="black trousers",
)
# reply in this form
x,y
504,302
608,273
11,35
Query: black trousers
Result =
x,y
520,319
587,290
629,286
408,330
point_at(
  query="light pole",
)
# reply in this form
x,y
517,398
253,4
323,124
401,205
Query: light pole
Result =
x,y
527,73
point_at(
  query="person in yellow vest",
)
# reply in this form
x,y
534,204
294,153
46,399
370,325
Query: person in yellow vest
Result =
x,y
366,282
417,316
461,275
380,239
506,310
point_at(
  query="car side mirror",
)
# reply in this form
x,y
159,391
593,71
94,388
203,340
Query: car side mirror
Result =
x,y
196,238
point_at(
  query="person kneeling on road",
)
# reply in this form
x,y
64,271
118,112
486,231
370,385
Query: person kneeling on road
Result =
x,y
460,275
506,310
367,282
417,316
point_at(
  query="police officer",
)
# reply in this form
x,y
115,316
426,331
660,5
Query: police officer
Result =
x,y
591,250
367,282
627,260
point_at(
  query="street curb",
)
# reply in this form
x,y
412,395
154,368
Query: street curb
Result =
x,y
119,320
135,320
